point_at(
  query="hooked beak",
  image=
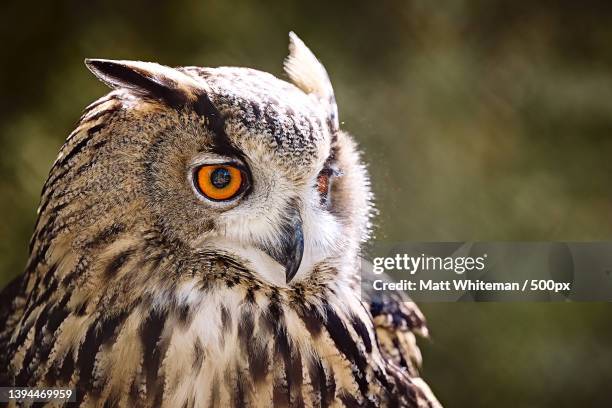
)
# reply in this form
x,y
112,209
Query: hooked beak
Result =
x,y
289,252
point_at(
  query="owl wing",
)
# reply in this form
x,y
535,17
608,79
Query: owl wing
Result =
x,y
397,320
11,309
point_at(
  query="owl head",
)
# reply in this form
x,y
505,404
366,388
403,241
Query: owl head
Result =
x,y
222,160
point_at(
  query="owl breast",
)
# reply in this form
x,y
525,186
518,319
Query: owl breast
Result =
x,y
255,346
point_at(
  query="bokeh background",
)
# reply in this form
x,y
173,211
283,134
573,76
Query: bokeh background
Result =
x,y
481,120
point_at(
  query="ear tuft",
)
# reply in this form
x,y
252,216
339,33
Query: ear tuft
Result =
x,y
308,74
146,79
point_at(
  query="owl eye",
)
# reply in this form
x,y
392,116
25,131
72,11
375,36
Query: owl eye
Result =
x,y
220,182
324,182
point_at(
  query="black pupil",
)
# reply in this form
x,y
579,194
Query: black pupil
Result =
x,y
220,177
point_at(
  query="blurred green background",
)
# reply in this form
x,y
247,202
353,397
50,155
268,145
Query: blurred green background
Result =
x,y
481,120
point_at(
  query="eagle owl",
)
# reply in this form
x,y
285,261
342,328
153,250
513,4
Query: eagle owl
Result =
x,y
198,244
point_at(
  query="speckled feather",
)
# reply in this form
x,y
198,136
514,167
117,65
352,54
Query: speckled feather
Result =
x,y
137,293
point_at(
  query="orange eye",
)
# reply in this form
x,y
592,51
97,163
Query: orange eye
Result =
x,y
219,181
323,184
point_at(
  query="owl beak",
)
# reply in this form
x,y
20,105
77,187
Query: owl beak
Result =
x,y
294,251
289,252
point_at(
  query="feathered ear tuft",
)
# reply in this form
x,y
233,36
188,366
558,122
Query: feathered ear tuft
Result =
x,y
147,79
308,74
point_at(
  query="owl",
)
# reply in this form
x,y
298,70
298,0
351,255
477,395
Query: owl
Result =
x,y
198,244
